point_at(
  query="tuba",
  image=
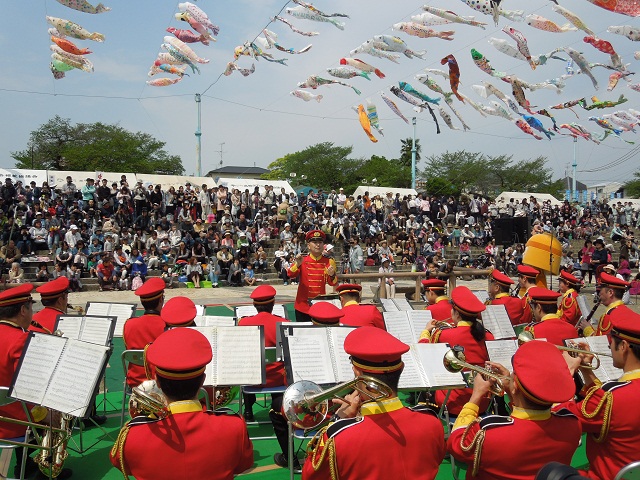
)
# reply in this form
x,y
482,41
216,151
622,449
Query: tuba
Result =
x,y
147,399
306,405
51,458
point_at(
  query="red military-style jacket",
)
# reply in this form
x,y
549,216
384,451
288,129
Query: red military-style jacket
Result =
x,y
139,332
615,310
388,441
475,353
313,277
12,340
537,435
276,375
441,310
356,315
568,309
513,306
613,438
187,444
527,313
46,319
552,328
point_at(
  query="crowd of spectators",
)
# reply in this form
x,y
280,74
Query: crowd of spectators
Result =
x,y
118,232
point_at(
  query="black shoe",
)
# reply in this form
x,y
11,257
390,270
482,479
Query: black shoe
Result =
x,y
94,420
281,460
64,473
248,416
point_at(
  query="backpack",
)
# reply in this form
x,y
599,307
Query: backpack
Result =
x,y
136,282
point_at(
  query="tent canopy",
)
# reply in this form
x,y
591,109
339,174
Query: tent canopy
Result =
x,y
243,184
382,191
504,197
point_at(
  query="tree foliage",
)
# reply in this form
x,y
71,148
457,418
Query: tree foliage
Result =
x,y
406,146
60,145
453,173
632,187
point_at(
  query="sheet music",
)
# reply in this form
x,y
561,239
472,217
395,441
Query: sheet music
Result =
x,y
250,311
70,325
307,352
418,320
239,356
123,312
606,371
502,351
584,307
496,319
481,295
389,305
344,371
412,376
214,321
37,366
431,356
73,382
398,325
334,301
402,304
92,329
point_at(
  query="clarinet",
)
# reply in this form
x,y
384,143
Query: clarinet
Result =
x,y
593,310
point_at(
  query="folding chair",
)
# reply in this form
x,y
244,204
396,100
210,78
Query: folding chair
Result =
x,y
269,357
7,445
629,472
135,357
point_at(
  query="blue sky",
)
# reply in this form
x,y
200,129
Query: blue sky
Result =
x,y
256,118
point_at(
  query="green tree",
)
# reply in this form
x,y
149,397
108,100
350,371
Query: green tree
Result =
x,y
405,151
387,173
323,165
632,187
60,145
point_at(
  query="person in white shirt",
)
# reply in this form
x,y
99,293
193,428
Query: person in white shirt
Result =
x,y
72,236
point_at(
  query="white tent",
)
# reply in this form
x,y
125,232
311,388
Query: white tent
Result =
x,y
250,183
24,175
59,177
382,191
504,197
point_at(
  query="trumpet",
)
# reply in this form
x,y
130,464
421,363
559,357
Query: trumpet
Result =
x,y
306,405
455,361
525,337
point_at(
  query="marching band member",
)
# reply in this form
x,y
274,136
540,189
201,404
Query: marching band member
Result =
x,y
526,279
264,298
607,412
356,315
313,271
55,298
547,324
434,292
141,331
468,332
325,314
499,285
188,443
611,292
517,446
179,312
377,439
570,289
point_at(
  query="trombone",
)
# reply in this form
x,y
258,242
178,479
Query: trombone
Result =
x,y
525,337
455,361
306,405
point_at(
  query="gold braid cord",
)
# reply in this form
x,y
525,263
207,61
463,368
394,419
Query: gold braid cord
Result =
x,y
317,452
147,367
118,449
475,445
435,337
606,402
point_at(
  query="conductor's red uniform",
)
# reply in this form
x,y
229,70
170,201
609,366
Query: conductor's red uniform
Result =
x,y
313,278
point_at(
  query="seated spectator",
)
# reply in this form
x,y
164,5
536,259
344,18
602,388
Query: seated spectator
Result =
x,y
249,276
214,271
38,235
42,275
138,265
107,274
16,274
260,260
194,272
225,259
75,281
236,273
63,255
635,285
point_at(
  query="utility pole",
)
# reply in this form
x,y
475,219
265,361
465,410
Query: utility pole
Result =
x,y
413,155
199,138
575,167
220,152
